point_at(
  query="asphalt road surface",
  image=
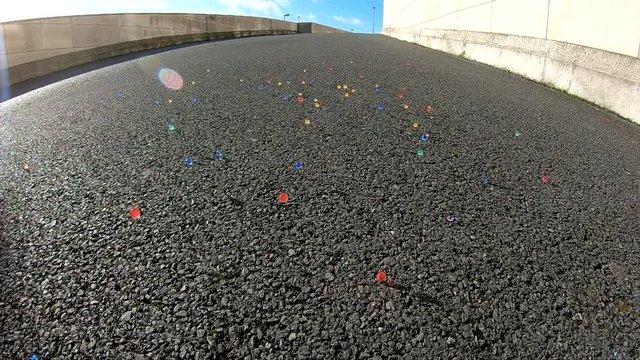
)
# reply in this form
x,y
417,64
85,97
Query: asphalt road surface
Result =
x,y
510,231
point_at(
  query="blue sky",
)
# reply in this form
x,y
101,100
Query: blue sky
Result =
x,y
343,14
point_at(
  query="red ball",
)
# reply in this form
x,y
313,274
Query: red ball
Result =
x,y
381,276
283,198
135,213
545,179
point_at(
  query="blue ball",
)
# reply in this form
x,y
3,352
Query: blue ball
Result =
x,y
298,165
189,162
194,99
381,107
219,154
425,138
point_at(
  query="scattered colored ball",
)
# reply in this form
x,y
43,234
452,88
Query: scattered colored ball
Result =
x,y
219,154
171,127
194,99
381,107
545,179
284,97
260,87
381,276
303,82
486,181
377,89
517,133
346,94
298,165
361,77
405,106
170,101
401,96
189,162
135,213
420,152
316,105
283,198
307,121
339,87
279,83
300,99
26,167
415,125
425,138
428,109
345,86
452,219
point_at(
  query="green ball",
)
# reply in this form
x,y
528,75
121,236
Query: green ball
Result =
x,y
420,152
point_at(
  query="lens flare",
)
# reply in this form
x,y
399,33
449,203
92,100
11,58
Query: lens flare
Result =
x,y
170,79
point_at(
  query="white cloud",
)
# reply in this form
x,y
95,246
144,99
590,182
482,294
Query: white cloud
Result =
x,y
311,16
258,7
352,20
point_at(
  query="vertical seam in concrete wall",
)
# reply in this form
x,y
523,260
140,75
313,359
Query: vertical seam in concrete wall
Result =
x,y
546,28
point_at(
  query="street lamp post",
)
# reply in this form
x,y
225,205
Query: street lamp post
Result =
x,y
373,27
285,17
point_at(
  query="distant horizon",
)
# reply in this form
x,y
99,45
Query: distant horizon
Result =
x,y
356,17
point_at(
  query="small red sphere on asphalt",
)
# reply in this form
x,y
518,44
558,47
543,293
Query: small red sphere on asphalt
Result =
x,y
428,109
135,213
381,276
545,179
283,198
300,99
401,96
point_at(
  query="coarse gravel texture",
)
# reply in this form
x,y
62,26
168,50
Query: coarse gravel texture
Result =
x,y
216,268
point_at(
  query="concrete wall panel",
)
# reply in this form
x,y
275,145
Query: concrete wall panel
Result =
x,y
56,36
95,35
525,18
476,17
23,37
612,25
111,20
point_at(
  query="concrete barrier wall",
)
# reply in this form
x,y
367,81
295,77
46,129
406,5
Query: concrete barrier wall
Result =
x,y
33,48
589,49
